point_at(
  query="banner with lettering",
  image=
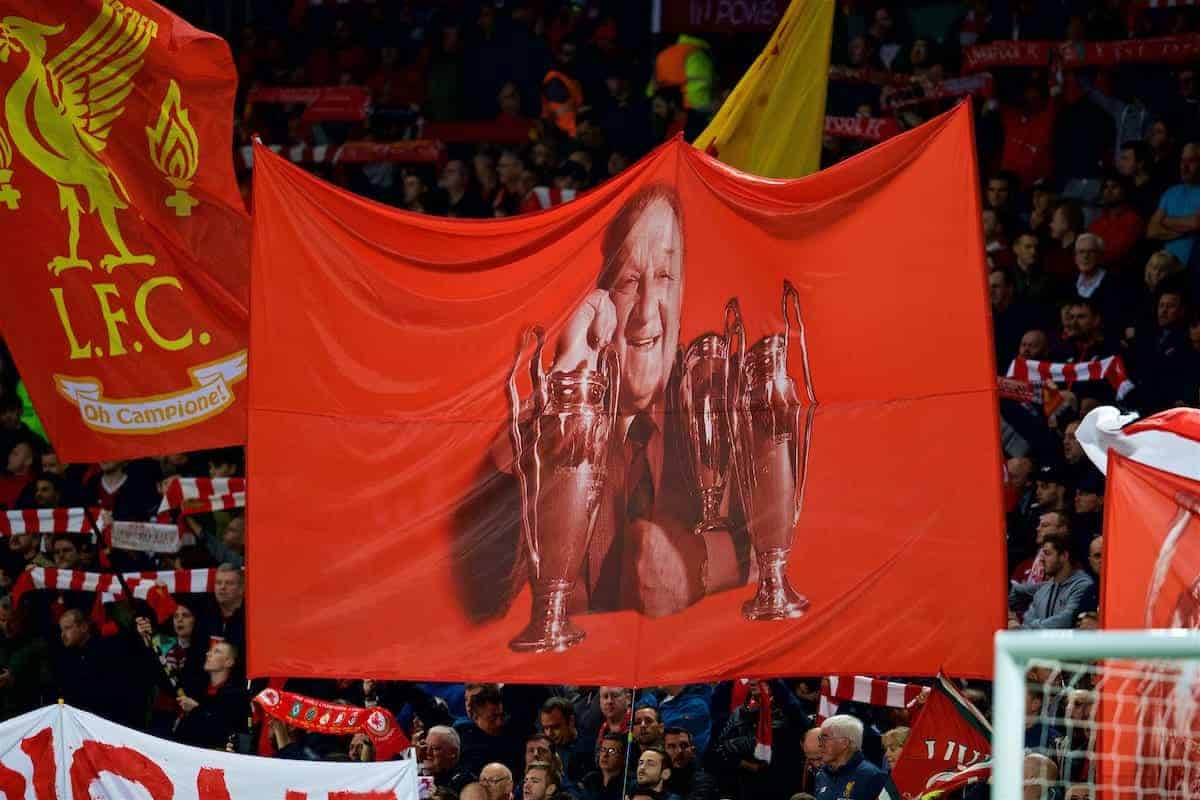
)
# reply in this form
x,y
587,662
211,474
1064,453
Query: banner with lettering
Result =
x,y
1179,49
690,406
59,751
125,239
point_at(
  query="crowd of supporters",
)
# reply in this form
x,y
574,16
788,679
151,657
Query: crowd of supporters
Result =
x,y
1091,197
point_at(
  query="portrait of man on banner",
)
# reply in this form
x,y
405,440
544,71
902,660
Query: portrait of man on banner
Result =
x,y
631,501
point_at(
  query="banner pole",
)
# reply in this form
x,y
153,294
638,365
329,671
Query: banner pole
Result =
x,y
629,739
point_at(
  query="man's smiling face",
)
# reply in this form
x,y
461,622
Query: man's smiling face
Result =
x,y
648,296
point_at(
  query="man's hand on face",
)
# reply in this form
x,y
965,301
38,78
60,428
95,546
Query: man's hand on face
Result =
x,y
592,326
667,567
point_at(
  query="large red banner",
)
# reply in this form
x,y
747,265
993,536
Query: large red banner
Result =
x,y
734,438
126,243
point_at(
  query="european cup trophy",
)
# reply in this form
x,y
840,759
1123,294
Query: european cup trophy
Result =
x,y
560,458
771,437
708,365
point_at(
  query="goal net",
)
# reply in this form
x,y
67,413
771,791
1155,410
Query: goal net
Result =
x,y
1113,715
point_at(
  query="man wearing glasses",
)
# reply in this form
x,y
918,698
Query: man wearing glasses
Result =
x,y
606,783
497,781
845,774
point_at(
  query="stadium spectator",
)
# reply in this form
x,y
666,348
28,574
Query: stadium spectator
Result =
x,y
443,750
688,706
25,669
845,772
557,720
1033,285
1175,221
653,772
1054,602
811,744
647,730
214,712
497,782
542,781
688,779
1034,345
461,199
485,738
893,744
1165,364
1133,164
95,673
607,781
1011,317
1066,223
1039,777
1119,225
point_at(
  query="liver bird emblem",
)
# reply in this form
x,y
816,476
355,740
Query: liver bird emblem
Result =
x,y
60,112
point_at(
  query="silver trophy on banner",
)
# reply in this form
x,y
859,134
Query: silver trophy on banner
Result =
x,y
771,436
561,461
708,369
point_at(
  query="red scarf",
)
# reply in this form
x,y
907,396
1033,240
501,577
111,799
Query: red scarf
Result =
x,y
311,714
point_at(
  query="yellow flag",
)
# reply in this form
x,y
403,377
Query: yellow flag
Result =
x,y
772,123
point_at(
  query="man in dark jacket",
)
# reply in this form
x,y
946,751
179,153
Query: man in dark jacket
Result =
x,y
687,779
485,737
846,774
214,713
93,673
607,782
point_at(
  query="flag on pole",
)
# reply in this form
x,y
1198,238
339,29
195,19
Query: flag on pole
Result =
x,y
773,121
126,240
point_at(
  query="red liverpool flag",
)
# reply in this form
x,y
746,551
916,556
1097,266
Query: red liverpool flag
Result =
x,y
688,426
1148,709
948,734
126,245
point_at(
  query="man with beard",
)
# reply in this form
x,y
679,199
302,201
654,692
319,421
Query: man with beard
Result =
x,y
688,779
653,772
1056,601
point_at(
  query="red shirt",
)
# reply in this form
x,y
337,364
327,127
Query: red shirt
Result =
x,y
1120,228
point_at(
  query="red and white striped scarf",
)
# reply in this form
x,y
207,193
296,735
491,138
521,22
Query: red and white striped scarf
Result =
x,y
51,520
1111,369
872,691
197,495
107,585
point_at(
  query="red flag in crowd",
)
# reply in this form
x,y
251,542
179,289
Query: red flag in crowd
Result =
x,y
830,458
123,227
1151,559
947,735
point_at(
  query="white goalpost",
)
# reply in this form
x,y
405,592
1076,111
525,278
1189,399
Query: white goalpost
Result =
x,y
1117,713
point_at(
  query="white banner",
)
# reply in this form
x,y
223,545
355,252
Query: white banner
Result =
x,y
62,752
147,537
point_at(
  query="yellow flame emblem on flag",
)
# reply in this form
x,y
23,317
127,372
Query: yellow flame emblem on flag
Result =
x,y
175,150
